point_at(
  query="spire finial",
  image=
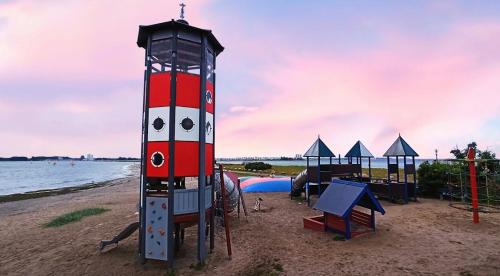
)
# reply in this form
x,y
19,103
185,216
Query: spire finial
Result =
x,y
182,5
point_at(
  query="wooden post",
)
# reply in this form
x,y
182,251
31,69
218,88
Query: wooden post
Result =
x,y
307,182
372,221
319,175
224,206
397,171
406,179
347,227
414,178
471,154
242,199
370,168
388,171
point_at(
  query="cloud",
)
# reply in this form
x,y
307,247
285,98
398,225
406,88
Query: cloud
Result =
x,y
429,90
240,108
73,71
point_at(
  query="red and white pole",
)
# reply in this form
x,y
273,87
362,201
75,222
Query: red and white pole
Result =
x,y
471,154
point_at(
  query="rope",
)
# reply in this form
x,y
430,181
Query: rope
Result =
x,y
488,189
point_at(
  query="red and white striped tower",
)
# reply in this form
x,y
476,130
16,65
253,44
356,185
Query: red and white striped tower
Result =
x,y
178,133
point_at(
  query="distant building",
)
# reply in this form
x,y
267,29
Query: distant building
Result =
x,y
90,157
298,156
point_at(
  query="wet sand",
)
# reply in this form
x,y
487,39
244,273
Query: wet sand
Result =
x,y
427,237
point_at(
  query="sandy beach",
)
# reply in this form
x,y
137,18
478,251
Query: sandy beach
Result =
x,y
421,238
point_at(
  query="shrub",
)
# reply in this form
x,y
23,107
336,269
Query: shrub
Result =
x,y
258,166
432,177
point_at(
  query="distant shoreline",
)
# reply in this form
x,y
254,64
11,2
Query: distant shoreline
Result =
x,y
58,191
16,159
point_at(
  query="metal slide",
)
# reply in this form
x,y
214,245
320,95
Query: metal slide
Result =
x,y
299,182
123,235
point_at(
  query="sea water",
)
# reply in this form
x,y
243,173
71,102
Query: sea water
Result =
x,y
27,176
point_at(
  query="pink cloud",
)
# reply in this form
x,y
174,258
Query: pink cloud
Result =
x,y
427,89
436,90
241,108
80,40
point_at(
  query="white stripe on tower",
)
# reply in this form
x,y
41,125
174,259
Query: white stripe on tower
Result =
x,y
209,128
186,124
158,123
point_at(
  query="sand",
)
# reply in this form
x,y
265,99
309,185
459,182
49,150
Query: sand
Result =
x,y
421,238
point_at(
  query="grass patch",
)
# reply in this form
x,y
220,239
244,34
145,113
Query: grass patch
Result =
x,y
170,273
295,170
74,216
338,238
197,266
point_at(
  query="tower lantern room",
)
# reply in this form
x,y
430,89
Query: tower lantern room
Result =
x,y
178,134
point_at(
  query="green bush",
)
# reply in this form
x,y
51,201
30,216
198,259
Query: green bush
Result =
x,y
258,166
432,177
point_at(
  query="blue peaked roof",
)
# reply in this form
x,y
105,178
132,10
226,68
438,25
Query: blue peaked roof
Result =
x,y
342,195
359,150
400,148
320,149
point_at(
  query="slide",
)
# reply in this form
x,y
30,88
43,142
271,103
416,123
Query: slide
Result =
x,y
299,182
123,235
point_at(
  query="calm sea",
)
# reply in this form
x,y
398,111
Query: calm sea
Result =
x,y
375,162
20,177
26,176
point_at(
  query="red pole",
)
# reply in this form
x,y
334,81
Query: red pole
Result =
x,y
224,204
471,154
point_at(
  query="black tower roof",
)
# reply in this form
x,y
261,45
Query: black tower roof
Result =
x,y
145,31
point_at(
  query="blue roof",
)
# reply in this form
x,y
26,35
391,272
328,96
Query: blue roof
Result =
x,y
320,149
342,195
359,150
400,148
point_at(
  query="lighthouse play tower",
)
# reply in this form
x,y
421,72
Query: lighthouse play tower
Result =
x,y
178,136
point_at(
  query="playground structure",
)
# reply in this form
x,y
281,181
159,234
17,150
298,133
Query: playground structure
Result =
x,y
390,188
359,151
395,189
473,185
337,203
319,175
177,140
178,136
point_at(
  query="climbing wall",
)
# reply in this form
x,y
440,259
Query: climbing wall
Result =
x,y
156,228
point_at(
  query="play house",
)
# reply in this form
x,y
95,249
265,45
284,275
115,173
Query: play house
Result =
x,y
338,202
178,136
394,188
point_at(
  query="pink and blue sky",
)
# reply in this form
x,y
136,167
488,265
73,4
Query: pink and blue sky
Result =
x,y
71,74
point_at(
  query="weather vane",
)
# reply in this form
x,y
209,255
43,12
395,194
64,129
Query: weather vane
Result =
x,y
182,5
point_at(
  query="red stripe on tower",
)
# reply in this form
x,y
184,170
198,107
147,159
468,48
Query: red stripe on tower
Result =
x,y
187,159
157,159
159,89
188,90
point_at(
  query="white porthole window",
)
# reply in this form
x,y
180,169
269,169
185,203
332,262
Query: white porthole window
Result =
x,y
157,159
